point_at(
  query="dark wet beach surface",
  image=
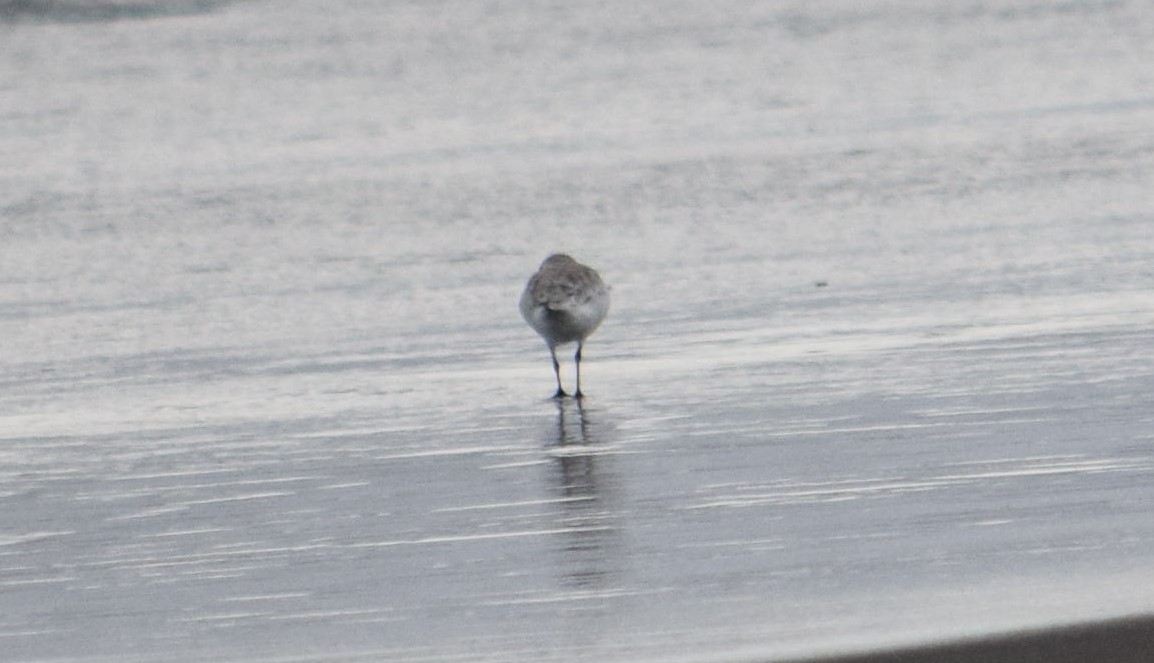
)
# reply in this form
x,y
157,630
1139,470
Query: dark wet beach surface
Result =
x,y
877,372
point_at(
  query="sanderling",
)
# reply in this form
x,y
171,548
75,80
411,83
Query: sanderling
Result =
x,y
564,302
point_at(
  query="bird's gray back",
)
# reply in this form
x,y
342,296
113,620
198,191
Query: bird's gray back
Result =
x,y
560,287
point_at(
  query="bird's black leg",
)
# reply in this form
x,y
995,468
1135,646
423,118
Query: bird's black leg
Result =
x,y
557,372
577,360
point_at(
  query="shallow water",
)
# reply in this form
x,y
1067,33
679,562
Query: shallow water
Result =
x,y
878,368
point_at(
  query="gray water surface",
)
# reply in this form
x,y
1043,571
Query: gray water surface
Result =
x,y
878,369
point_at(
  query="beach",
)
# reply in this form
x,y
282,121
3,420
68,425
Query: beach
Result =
x,y
875,382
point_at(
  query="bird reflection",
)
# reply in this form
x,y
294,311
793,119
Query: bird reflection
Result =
x,y
585,512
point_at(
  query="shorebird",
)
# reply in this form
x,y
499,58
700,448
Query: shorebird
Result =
x,y
564,302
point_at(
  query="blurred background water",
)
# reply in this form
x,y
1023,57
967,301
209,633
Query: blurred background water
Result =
x,y
878,368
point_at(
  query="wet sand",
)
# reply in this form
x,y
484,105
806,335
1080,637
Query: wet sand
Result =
x,y
878,362
1129,640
